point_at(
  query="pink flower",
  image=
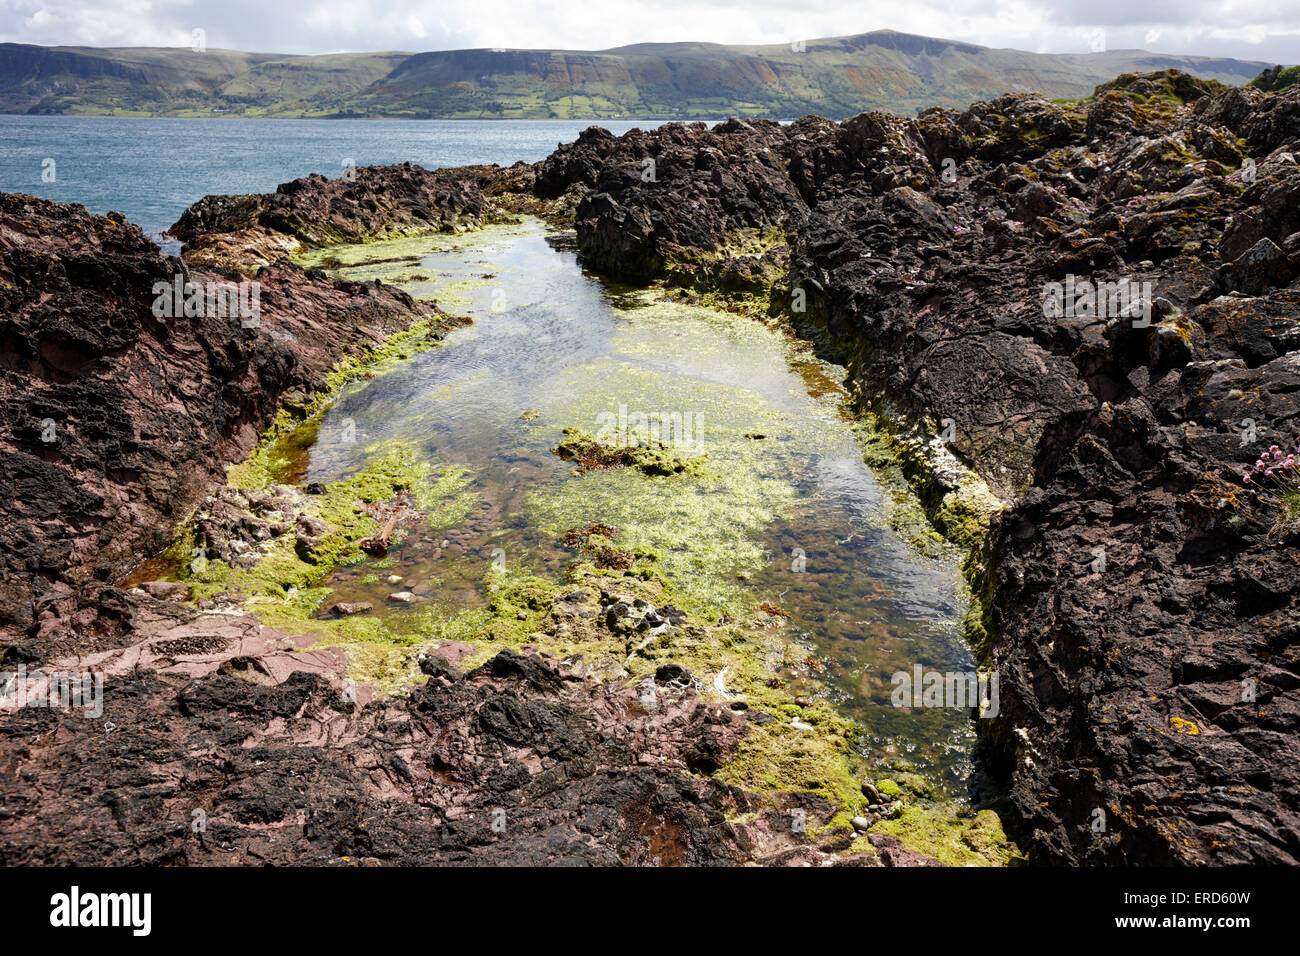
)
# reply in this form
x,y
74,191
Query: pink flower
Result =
x,y
1272,447
1245,479
1268,473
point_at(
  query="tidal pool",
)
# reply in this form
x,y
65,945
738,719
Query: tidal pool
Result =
x,y
786,513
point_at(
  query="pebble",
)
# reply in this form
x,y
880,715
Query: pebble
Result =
x,y
861,823
403,597
343,607
394,579
165,590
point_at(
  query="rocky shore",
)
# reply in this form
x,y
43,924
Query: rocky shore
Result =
x,y
225,739
1136,598
1139,602
122,420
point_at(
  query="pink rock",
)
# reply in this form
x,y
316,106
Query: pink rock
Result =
x,y
165,590
344,607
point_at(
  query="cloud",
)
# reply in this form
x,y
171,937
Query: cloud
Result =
x,y
1250,29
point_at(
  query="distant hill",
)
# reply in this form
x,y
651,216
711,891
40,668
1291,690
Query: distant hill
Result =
x,y
835,77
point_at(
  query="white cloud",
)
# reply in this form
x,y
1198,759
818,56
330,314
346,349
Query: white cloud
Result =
x,y
1255,29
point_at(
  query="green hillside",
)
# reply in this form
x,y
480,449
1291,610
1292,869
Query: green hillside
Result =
x,y
835,77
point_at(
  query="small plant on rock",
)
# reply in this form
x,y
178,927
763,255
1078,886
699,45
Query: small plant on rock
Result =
x,y
1275,479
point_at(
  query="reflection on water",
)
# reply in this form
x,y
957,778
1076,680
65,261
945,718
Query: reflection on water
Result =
x,y
789,513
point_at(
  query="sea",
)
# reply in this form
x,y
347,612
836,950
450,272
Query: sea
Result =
x,y
151,169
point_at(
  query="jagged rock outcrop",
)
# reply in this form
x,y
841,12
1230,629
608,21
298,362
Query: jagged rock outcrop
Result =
x,y
1141,603
246,232
118,421
224,742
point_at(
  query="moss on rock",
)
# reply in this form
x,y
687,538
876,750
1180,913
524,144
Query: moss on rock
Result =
x,y
649,458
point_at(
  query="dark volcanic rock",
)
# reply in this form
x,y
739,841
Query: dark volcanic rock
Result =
x,y
651,198
249,231
218,746
117,422
923,249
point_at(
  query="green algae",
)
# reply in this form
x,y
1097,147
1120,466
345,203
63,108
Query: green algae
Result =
x,y
800,751
381,653
287,442
942,832
936,497
694,541
889,789
741,276
317,238
710,530
706,529
393,468
405,261
652,458
284,586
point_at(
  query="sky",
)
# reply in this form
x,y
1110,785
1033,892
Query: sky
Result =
x,y
1246,29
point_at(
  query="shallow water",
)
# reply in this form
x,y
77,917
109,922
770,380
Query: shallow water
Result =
x,y
788,513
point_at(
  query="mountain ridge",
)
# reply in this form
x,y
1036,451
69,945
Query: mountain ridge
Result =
x,y
833,76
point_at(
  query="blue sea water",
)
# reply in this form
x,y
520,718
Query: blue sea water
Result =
x,y
150,170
